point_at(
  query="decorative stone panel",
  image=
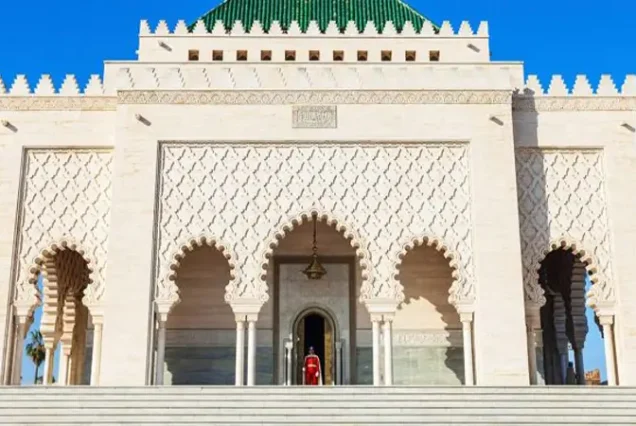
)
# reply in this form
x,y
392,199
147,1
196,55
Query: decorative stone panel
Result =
x,y
562,204
66,201
250,195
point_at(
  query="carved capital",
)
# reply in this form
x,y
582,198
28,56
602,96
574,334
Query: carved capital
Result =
x,y
606,319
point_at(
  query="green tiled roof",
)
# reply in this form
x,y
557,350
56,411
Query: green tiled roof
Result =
x,y
321,11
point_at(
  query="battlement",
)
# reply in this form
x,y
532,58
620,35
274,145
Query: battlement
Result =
x,y
313,29
216,42
581,87
45,87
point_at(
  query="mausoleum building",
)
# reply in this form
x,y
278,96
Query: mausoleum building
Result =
x,y
342,175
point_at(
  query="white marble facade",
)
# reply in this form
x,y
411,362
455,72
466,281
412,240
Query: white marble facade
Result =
x,y
111,189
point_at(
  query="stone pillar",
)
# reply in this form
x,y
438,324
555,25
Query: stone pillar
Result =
x,y
251,350
96,362
579,366
607,322
240,348
388,349
289,348
375,321
49,354
18,350
467,333
63,371
533,322
339,363
161,349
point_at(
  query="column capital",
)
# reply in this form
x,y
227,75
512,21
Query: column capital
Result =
x,y
376,317
240,318
381,306
606,319
252,318
246,307
96,311
388,318
466,317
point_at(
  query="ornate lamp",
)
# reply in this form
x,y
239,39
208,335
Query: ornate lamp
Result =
x,y
315,270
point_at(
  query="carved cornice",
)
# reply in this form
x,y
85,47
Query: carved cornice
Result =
x,y
58,103
573,103
316,97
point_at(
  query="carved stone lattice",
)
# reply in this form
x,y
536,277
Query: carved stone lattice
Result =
x,y
251,195
562,204
66,201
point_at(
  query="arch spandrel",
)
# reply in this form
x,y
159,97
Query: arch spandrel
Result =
x,y
381,191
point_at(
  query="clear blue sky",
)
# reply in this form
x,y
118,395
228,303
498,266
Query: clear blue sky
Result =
x,y
552,37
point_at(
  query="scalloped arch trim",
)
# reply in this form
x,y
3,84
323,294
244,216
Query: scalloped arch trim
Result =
x,y
167,292
455,292
37,267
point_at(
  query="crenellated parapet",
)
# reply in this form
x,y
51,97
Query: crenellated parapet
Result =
x,y
216,41
45,87
607,95
219,28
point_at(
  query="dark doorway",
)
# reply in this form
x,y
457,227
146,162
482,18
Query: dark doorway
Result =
x,y
315,337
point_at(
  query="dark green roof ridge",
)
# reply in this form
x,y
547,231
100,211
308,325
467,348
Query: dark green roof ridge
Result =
x,y
321,11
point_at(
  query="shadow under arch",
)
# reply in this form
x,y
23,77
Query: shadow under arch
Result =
x,y
426,271
346,230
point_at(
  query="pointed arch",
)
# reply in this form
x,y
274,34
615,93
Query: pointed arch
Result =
x,y
345,229
167,291
459,293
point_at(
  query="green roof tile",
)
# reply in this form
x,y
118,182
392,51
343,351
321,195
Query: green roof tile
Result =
x,y
321,11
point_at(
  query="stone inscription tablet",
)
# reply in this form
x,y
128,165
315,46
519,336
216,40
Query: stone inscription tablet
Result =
x,y
314,117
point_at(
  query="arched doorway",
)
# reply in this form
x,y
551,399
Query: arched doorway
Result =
x,y
316,328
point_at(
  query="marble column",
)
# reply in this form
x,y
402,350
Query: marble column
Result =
x,y
338,380
18,350
533,323
240,348
161,350
375,321
96,361
289,348
579,366
607,321
251,350
467,334
388,350
62,375
49,354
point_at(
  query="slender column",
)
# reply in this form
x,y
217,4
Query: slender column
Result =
x,y
289,347
388,350
96,362
49,354
532,354
467,333
338,363
608,336
16,375
161,348
375,321
579,366
251,350
240,348
62,375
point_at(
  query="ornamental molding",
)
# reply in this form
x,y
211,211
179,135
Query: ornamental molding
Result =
x,y
253,194
311,97
562,204
58,103
428,338
65,205
521,103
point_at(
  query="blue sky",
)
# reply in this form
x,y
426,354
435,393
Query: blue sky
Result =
x,y
552,37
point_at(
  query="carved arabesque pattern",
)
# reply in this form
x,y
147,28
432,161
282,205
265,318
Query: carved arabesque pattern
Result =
x,y
65,204
250,194
562,204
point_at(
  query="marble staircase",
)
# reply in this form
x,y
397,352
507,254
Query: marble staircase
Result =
x,y
318,406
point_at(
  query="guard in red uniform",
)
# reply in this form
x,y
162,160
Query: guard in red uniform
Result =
x,y
313,372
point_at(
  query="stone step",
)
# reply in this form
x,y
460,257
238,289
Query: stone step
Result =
x,y
327,419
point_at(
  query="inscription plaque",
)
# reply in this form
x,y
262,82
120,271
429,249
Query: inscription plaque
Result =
x,y
314,117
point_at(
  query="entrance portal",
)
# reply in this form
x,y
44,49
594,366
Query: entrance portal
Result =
x,y
315,329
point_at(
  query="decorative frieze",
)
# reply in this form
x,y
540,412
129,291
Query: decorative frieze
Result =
x,y
315,117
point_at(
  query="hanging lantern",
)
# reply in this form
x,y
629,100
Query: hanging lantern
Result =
x,y
314,271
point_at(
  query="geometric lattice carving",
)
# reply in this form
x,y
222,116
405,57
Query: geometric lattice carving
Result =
x,y
381,196
65,203
562,204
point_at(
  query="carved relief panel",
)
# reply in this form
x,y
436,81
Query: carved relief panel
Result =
x,y
562,202
382,194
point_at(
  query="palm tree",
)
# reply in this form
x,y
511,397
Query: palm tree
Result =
x,y
35,351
